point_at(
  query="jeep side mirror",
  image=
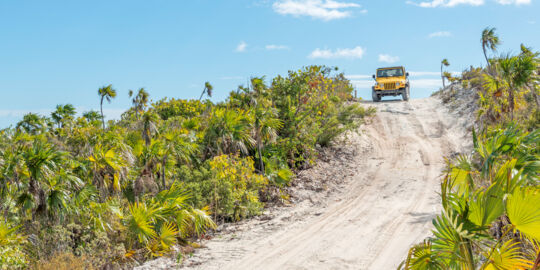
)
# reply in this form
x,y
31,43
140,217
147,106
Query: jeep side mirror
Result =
x,y
373,76
407,74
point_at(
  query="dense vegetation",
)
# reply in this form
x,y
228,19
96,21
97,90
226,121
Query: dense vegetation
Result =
x,y
79,191
491,198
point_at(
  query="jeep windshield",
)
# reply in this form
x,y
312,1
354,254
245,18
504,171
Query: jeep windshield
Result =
x,y
391,72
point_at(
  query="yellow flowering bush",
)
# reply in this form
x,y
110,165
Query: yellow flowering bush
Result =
x,y
235,187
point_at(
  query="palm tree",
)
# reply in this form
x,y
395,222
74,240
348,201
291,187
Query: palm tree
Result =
x,y
533,85
517,71
32,123
148,126
108,93
108,168
177,145
266,121
42,162
489,40
207,90
444,63
92,116
62,113
228,132
157,223
140,101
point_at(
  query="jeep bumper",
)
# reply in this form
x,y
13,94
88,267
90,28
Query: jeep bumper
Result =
x,y
384,93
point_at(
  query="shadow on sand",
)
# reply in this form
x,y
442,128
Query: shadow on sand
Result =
x,y
382,101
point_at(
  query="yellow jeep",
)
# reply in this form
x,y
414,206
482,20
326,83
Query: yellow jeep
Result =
x,y
391,81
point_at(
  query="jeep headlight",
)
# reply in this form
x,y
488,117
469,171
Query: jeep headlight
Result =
x,y
381,85
397,84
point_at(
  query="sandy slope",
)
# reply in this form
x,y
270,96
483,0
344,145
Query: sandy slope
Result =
x,y
384,207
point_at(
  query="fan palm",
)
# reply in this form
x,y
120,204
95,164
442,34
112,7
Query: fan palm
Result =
x,y
523,209
140,101
265,125
148,125
63,113
177,145
444,63
105,93
507,256
422,256
207,90
92,116
108,168
266,122
159,221
32,123
228,131
517,71
489,40
42,162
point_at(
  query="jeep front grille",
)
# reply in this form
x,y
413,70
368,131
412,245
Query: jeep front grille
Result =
x,y
390,86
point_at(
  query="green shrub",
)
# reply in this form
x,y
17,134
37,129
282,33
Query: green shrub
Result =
x,y
234,187
12,252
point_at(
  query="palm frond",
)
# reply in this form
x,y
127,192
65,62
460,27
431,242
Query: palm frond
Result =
x,y
523,209
508,256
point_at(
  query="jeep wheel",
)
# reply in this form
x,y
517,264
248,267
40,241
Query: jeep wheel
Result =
x,y
375,97
405,94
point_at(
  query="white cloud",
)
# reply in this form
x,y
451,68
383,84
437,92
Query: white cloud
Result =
x,y
440,34
353,53
386,58
319,9
241,47
514,2
273,47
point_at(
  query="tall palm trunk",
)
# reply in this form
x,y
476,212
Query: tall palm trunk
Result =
x,y
102,117
33,189
485,55
511,102
442,77
202,94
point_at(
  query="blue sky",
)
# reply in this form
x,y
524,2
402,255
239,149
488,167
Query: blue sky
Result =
x,y
57,52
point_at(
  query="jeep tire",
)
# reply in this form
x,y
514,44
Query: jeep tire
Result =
x,y
374,96
405,94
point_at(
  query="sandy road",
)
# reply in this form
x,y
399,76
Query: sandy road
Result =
x,y
385,208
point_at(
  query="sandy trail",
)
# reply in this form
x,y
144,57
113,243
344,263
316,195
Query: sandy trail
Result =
x,y
384,208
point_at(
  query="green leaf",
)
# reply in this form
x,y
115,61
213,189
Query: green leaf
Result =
x,y
486,206
508,256
523,209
